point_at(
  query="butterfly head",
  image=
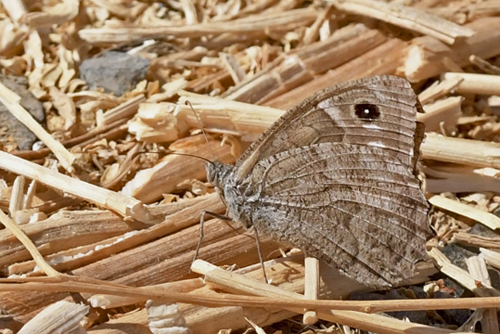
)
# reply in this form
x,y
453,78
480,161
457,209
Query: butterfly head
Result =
x,y
217,173
222,177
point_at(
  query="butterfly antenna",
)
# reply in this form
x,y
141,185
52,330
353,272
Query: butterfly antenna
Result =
x,y
200,238
172,152
202,130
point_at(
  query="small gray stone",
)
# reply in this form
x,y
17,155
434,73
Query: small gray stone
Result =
x,y
454,317
457,254
494,277
116,72
13,128
418,291
457,291
480,229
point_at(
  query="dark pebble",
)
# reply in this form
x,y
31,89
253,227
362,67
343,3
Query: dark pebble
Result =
x,y
13,128
116,72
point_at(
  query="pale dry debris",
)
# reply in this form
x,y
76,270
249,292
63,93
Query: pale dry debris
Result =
x,y
156,123
165,319
407,17
477,268
60,317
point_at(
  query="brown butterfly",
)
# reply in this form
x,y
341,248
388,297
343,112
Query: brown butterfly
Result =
x,y
336,176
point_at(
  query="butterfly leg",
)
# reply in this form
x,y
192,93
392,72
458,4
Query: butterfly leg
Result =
x,y
202,223
259,252
226,218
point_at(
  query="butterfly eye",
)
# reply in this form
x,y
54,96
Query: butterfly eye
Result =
x,y
367,111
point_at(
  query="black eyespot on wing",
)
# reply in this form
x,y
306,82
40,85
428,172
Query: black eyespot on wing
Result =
x,y
366,111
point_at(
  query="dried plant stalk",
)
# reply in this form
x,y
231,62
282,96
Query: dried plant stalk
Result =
x,y
472,83
442,180
11,101
21,236
460,275
150,184
440,90
383,59
476,240
426,55
297,68
442,115
477,268
64,230
482,217
311,287
233,282
278,21
124,111
461,151
123,205
60,317
407,17
57,14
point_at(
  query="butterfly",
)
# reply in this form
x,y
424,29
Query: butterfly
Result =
x,y
336,176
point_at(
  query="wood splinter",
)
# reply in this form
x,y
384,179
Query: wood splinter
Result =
x,y
311,288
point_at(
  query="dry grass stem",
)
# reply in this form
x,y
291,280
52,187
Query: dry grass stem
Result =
x,y
124,111
446,179
17,196
60,317
15,8
407,17
233,282
21,236
313,32
491,257
64,230
475,83
311,287
170,171
225,116
476,240
382,59
477,268
111,301
121,204
482,217
425,56
461,151
442,115
484,65
284,301
439,90
460,275
344,45
272,21
232,66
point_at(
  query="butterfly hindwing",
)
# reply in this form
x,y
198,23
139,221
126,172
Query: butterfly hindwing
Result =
x,y
356,207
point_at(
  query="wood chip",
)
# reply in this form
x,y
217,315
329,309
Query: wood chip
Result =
x,y
407,17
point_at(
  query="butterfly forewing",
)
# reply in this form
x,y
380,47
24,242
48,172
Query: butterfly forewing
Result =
x,y
335,176
330,116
